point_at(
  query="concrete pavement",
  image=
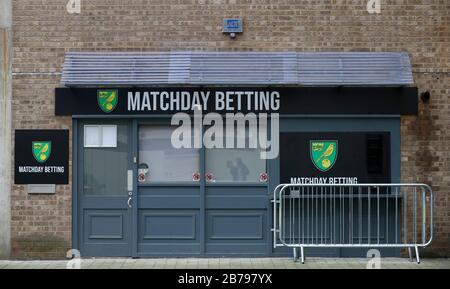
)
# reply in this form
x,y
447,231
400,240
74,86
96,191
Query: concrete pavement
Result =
x,y
228,263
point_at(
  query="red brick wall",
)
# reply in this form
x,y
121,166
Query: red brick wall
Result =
x,y
43,31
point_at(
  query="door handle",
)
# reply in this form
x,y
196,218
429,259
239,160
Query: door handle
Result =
x,y
129,202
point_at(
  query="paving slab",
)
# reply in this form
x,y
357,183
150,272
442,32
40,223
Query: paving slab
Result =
x,y
228,263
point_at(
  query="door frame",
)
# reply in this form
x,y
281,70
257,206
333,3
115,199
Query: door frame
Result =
x,y
76,224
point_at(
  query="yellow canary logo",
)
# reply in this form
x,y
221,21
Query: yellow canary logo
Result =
x,y
107,99
323,154
41,150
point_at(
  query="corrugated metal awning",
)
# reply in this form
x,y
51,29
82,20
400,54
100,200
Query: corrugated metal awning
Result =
x,y
210,68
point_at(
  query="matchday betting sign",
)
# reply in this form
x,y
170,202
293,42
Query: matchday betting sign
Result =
x,y
335,157
283,100
41,157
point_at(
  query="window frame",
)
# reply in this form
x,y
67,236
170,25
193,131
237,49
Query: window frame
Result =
x,y
100,132
167,183
164,121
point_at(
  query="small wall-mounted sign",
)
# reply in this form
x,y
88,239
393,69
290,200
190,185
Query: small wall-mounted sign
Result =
x,y
232,26
142,172
209,177
196,177
41,157
263,177
41,188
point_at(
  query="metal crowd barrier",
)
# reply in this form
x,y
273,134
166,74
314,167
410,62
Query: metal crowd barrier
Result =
x,y
352,216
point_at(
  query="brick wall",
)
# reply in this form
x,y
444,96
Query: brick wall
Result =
x,y
43,31
41,224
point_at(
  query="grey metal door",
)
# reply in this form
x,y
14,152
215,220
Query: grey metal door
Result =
x,y
105,195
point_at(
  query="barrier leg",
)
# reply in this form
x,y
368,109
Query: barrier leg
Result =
x,y
417,255
302,253
295,251
410,254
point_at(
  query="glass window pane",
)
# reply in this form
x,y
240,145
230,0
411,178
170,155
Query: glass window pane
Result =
x,y
109,136
159,161
105,169
234,165
92,136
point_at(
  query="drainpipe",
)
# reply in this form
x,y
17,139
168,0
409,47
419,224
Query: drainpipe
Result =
x,y
5,127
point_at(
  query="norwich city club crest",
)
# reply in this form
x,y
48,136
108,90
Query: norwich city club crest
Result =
x,y
41,150
107,99
323,154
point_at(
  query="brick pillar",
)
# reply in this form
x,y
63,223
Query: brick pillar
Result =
x,y
5,127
